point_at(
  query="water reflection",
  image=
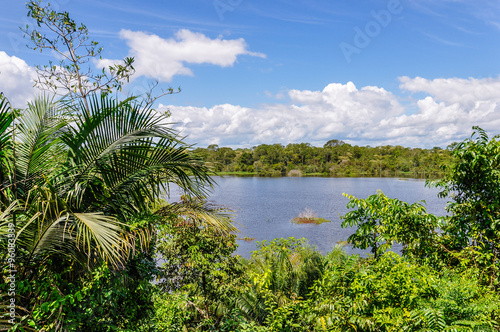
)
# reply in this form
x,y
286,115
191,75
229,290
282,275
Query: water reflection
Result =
x,y
264,207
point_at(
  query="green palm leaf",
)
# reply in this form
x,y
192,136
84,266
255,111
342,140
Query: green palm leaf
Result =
x,y
127,155
76,174
200,213
38,150
103,232
6,119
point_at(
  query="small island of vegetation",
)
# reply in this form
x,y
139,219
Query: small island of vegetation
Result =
x,y
247,239
308,216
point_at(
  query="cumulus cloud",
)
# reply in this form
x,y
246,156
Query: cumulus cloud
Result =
x,y
16,79
466,92
369,115
311,116
444,111
161,59
449,111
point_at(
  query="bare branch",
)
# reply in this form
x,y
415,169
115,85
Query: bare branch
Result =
x,y
68,39
150,97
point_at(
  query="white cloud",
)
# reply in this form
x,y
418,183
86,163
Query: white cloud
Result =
x,y
16,80
369,115
466,92
312,116
453,106
445,111
161,59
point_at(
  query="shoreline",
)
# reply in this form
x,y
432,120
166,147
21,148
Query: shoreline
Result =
x,y
322,175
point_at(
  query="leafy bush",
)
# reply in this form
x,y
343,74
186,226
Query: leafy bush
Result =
x,y
392,294
199,275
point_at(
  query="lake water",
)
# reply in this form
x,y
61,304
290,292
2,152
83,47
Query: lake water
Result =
x,y
264,207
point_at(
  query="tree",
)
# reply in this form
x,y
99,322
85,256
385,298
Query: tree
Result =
x,y
333,143
382,221
282,271
70,41
74,76
77,185
245,158
225,156
473,182
197,263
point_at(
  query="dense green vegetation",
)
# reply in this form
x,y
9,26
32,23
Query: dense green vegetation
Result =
x,y
80,202
87,244
446,278
335,158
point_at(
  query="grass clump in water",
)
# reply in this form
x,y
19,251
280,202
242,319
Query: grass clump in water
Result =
x,y
308,216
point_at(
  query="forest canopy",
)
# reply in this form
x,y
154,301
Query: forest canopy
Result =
x,y
335,158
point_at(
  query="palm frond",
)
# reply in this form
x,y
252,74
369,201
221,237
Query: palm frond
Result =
x,y
82,237
109,126
145,172
103,230
38,150
6,118
138,237
131,153
200,213
7,226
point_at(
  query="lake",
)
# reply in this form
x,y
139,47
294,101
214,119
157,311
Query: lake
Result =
x,y
264,207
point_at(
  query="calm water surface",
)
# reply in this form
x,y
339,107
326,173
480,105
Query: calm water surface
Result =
x,y
264,207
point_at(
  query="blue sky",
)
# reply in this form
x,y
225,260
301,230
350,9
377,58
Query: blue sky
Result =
x,y
416,73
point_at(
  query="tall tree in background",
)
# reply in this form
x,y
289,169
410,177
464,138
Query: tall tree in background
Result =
x,y
75,75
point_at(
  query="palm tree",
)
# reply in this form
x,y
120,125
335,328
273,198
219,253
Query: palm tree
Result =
x,y
74,182
283,270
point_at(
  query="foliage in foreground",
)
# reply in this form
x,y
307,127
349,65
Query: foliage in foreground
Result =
x,y
77,187
198,278
290,287
83,201
445,280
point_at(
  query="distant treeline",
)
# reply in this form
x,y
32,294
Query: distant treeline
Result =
x,y
336,158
